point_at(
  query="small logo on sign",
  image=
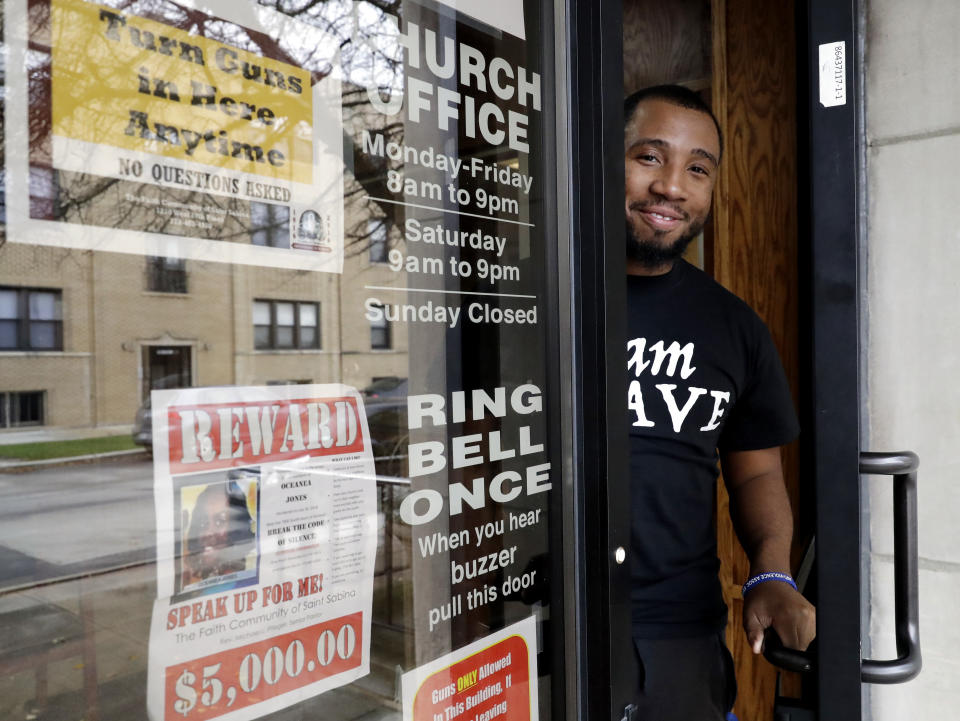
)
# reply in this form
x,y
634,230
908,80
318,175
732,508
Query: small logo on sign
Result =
x,y
313,233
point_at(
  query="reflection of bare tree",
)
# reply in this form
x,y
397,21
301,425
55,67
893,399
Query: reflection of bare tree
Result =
x,y
38,88
369,177
356,36
73,200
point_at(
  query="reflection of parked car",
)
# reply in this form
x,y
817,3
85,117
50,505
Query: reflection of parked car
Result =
x,y
143,426
388,387
142,421
389,436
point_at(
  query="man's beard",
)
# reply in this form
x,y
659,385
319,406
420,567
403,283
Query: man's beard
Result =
x,y
654,254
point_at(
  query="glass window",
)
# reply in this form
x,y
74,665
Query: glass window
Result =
x,y
43,336
261,324
270,225
27,408
21,408
377,237
279,536
44,305
379,330
261,312
9,312
286,324
8,303
308,325
30,319
166,275
308,315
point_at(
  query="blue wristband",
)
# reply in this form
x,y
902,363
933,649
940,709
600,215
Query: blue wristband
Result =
x,y
769,576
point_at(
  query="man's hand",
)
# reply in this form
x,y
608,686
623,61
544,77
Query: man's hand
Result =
x,y
761,516
776,604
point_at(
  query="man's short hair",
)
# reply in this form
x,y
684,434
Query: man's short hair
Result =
x,y
673,94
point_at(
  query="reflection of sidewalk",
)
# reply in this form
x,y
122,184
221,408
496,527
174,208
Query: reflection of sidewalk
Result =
x,y
43,434
13,464
100,626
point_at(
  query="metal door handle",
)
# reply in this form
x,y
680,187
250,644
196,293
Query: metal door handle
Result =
x,y
903,467
786,658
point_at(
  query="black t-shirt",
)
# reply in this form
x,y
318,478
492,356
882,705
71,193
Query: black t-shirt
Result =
x,y
703,375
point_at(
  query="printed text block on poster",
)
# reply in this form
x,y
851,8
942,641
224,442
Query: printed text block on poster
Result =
x,y
492,678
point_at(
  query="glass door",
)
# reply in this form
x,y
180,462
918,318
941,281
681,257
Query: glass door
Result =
x,y
306,255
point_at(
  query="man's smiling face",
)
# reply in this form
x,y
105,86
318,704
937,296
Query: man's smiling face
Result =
x,y
671,156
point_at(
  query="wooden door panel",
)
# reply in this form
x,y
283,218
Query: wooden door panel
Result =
x,y
755,249
741,54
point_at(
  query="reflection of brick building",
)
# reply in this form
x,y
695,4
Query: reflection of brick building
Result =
x,y
85,335
118,337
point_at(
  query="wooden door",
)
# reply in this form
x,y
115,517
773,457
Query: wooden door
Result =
x,y
755,253
740,54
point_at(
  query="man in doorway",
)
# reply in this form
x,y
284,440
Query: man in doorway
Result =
x,y
705,382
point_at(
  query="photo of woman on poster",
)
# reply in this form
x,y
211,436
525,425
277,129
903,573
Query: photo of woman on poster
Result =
x,y
218,536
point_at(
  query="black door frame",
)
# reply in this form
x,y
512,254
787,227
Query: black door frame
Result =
x,y
606,669
830,143
831,205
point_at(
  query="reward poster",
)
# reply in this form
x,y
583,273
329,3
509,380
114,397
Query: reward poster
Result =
x,y
162,128
266,537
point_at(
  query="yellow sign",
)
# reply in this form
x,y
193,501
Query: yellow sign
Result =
x,y
133,83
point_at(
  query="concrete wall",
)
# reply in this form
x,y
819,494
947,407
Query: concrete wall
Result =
x,y
913,320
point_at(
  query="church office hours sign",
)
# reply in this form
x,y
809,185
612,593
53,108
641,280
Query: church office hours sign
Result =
x,y
266,536
465,215
162,128
463,182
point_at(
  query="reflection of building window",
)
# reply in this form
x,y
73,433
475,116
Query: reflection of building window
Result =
x,y
377,238
21,408
30,319
380,331
270,225
166,275
44,193
279,324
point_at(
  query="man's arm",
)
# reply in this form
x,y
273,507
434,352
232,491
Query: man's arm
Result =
x,y
760,510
